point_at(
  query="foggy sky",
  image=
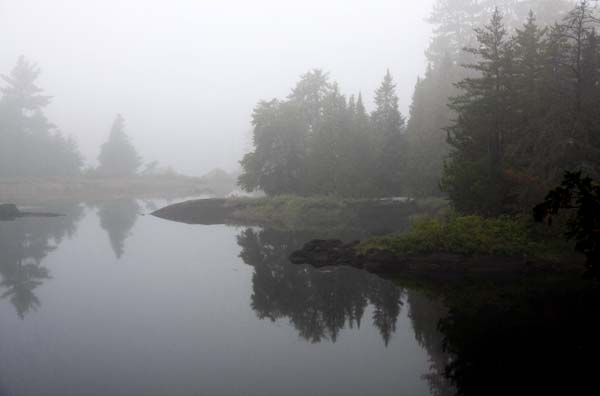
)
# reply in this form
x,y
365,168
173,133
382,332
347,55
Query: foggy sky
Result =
x,y
187,74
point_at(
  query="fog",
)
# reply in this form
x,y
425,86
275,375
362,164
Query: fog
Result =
x,y
187,74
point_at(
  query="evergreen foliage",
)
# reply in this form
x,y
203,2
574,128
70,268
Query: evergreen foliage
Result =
x,y
528,113
117,156
30,145
319,142
455,23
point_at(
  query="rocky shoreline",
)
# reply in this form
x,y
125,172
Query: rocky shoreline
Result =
x,y
9,212
333,252
292,212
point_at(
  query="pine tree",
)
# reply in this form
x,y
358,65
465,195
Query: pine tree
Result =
x,y
473,176
326,151
388,125
529,107
117,156
30,145
362,159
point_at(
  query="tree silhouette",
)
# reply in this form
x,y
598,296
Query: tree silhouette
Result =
x,y
30,145
117,156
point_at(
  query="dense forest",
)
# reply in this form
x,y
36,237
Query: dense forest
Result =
x,y
508,103
319,142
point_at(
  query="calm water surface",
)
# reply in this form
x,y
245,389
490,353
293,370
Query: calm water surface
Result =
x,y
109,301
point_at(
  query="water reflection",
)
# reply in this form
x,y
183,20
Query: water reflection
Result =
x,y
319,304
425,312
117,218
24,244
527,335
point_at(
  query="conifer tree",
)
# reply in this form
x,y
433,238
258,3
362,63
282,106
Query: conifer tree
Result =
x,y
388,126
30,145
117,156
473,176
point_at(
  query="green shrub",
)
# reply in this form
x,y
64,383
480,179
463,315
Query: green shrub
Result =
x,y
466,235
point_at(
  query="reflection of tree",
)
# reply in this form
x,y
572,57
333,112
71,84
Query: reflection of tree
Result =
x,y
318,303
528,336
118,218
425,312
24,244
20,281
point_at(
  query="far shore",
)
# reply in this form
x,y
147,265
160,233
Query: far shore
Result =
x,y
23,191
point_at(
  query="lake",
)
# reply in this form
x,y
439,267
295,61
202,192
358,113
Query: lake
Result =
x,y
108,300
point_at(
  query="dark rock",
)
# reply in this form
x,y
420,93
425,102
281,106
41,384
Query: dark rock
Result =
x,y
199,211
330,252
9,212
333,252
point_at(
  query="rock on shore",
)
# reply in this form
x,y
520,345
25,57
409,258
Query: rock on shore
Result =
x,y
10,212
322,253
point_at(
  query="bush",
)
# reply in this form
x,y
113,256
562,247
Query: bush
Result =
x,y
466,235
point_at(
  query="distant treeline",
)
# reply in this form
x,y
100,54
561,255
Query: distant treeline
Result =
x,y
31,146
319,142
505,107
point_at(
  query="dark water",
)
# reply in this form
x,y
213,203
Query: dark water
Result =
x,y
107,301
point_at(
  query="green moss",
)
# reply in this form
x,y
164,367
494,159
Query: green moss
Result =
x,y
469,235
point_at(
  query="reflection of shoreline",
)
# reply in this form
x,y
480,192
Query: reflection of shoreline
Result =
x,y
319,304
24,244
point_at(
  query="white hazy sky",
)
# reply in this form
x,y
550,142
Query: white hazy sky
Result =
x,y
187,74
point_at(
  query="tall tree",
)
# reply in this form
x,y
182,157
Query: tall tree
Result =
x,y
278,163
29,144
388,126
473,176
117,156
454,23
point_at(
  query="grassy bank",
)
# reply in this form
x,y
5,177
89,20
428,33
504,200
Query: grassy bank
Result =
x,y
294,212
473,235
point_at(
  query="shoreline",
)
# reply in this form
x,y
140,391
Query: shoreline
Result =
x,y
25,191
335,253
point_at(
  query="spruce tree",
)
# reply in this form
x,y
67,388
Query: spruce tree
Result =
x,y
30,145
388,126
529,108
117,156
474,176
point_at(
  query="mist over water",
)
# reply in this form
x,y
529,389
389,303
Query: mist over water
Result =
x,y
331,197
110,301
187,74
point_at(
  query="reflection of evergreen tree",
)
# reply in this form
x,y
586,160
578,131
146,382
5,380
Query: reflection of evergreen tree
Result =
x,y
20,280
425,312
118,218
537,336
386,298
24,244
319,304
